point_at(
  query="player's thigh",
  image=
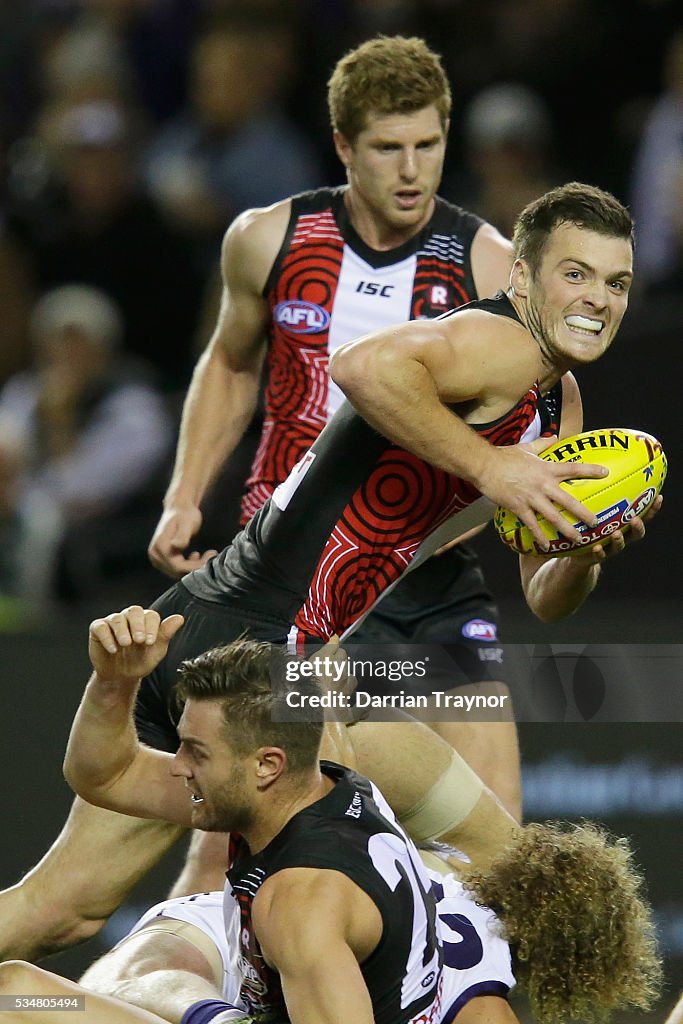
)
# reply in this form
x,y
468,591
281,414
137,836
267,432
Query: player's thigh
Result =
x,y
100,855
43,996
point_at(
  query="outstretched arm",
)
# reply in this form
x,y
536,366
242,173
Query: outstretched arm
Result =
x,y
105,763
223,393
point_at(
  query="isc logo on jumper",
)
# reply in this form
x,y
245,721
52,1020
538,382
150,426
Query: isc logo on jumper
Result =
x,y
480,629
301,317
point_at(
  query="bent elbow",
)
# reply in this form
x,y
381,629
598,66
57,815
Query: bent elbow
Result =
x,y
342,366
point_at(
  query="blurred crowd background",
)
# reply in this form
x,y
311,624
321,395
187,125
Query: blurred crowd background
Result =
x,y
131,133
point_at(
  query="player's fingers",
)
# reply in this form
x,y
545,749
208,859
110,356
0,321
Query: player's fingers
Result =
x,y
100,631
151,625
634,531
135,616
528,517
575,508
616,543
581,471
170,626
654,509
119,625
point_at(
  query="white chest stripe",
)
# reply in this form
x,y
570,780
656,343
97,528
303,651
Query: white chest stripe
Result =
x,y
367,299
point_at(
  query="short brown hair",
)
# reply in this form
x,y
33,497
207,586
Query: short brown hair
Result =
x,y
570,902
584,205
249,680
386,75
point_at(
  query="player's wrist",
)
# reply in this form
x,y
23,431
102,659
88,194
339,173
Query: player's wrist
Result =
x,y
214,1011
106,689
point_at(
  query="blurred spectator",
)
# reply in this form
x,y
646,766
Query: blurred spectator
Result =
x,y
16,609
658,182
85,435
508,132
142,45
91,221
234,147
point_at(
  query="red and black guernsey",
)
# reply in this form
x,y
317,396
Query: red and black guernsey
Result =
x,y
351,831
355,513
327,287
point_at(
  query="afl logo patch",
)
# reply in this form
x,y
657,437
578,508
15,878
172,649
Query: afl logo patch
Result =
x,y
480,629
301,317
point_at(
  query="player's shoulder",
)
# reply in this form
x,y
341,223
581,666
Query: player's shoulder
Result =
x,y
261,226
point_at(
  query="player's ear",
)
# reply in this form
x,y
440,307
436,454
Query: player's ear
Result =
x,y
270,763
520,277
343,147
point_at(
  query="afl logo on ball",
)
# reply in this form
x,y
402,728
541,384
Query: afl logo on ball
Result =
x,y
480,629
301,317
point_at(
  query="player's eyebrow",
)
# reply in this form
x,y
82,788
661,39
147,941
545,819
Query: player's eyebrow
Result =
x,y
587,266
193,743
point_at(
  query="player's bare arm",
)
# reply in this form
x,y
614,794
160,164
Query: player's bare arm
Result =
x,y
557,587
485,1010
491,257
223,393
105,763
399,379
318,964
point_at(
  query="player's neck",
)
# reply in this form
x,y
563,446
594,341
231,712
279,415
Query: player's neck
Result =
x,y
280,807
378,233
551,368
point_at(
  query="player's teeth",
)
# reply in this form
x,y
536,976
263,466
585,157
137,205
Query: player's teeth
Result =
x,y
197,799
584,323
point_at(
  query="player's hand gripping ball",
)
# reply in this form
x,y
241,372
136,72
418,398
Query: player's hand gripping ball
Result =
x,y
637,470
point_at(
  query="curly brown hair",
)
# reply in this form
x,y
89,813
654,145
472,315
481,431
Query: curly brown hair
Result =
x,y
386,75
571,905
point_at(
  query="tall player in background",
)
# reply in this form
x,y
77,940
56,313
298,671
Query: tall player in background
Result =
x,y
305,276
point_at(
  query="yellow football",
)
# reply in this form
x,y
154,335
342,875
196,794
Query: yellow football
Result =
x,y
637,470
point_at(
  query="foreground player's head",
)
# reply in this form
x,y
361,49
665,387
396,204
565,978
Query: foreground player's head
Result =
x,y
235,745
572,271
581,934
384,76
583,206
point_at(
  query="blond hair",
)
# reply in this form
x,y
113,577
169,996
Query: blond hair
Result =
x,y
571,906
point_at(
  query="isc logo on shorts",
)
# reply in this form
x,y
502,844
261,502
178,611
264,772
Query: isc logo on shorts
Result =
x,y
301,317
480,629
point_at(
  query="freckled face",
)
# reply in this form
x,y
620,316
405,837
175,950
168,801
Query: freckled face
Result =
x,y
395,166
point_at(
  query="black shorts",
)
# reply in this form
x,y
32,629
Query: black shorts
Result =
x,y
442,609
207,624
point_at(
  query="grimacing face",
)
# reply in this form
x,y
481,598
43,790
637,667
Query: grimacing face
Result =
x,y
216,778
578,296
394,168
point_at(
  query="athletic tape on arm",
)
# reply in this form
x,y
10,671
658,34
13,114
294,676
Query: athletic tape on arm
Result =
x,y
450,800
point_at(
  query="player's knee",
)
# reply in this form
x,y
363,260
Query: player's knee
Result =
x,y
14,975
61,921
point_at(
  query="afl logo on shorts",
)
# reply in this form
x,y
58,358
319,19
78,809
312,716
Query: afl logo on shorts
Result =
x,y
301,317
480,629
